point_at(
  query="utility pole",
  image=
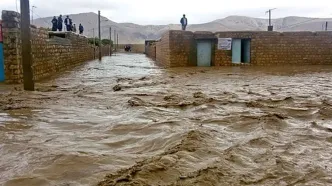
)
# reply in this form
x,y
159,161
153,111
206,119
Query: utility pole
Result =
x,y
26,46
32,13
110,41
94,43
270,27
99,34
114,42
117,40
94,37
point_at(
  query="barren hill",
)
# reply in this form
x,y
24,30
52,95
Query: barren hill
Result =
x,y
133,33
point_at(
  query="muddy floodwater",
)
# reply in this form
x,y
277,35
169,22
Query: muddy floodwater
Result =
x,y
124,121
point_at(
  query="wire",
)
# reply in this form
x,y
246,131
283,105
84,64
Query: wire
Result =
x,y
292,25
16,6
41,18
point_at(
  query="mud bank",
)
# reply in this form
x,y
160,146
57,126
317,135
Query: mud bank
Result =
x,y
141,125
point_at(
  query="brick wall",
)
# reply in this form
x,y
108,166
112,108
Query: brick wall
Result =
x,y
150,49
274,48
50,55
267,48
163,50
182,44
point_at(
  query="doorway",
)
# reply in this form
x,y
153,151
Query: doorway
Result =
x,y
241,50
204,52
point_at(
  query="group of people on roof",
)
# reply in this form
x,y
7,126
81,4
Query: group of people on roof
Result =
x,y
57,25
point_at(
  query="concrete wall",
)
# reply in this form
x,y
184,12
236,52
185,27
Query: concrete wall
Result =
x,y
267,48
50,54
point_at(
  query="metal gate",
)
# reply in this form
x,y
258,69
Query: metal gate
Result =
x,y
2,68
236,50
204,51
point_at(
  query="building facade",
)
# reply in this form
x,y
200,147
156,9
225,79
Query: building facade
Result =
x,y
185,48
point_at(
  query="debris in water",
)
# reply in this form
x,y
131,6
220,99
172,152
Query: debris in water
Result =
x,y
135,101
117,88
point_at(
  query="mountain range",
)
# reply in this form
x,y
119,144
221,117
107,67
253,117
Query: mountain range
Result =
x,y
135,34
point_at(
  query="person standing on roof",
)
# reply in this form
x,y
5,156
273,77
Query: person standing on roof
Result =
x,y
54,24
184,22
81,29
67,20
60,22
70,24
74,28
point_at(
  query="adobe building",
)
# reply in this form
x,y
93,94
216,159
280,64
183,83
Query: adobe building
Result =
x,y
184,48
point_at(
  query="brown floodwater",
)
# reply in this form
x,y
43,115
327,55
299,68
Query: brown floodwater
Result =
x,y
124,121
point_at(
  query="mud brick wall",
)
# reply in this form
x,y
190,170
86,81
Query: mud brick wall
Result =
x,y
274,48
178,48
181,46
50,55
57,54
150,49
163,50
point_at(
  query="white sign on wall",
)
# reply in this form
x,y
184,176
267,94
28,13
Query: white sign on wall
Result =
x,y
224,43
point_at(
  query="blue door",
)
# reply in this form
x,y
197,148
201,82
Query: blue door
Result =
x,y
204,49
246,50
236,50
2,68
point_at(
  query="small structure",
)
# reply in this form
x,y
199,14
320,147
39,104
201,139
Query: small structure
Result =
x,y
183,48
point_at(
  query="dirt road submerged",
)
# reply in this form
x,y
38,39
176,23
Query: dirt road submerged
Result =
x,y
143,125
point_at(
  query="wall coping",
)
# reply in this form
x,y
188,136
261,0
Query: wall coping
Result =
x,y
202,34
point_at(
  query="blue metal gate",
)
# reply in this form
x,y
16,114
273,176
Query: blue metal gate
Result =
x,y
204,49
246,50
2,68
236,50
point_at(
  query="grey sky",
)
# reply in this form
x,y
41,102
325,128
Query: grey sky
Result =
x,y
170,11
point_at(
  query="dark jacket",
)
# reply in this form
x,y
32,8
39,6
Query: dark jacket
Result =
x,y
54,22
60,22
67,21
81,28
182,21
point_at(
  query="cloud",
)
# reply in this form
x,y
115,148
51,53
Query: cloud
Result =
x,y
170,11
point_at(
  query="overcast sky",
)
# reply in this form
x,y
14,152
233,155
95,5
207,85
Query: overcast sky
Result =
x,y
170,11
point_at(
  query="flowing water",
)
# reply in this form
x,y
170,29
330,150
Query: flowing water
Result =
x,y
142,125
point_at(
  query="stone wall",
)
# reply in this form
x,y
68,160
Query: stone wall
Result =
x,y
50,54
267,48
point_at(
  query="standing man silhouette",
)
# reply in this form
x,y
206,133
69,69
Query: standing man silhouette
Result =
x,y
54,24
184,22
60,22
